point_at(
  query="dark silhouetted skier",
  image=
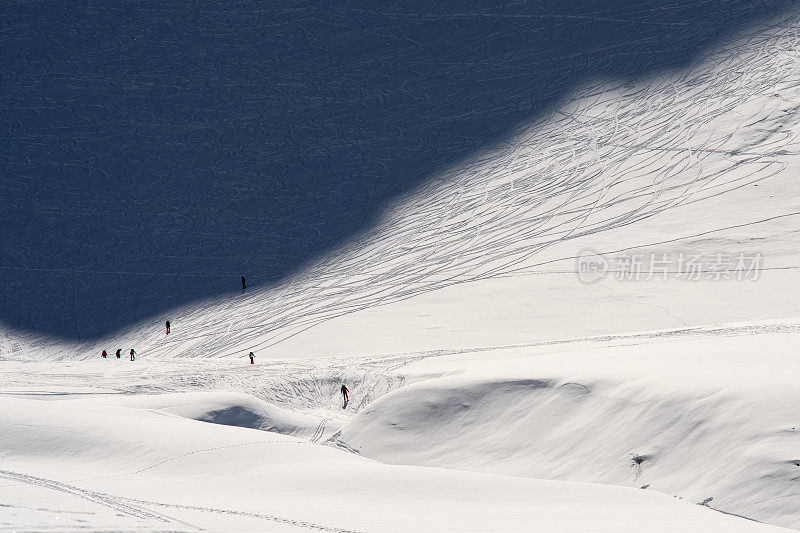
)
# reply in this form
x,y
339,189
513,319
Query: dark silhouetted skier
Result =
x,y
252,358
132,354
344,395
119,353
167,327
104,354
244,287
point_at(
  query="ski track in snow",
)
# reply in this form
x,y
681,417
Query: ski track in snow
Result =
x,y
288,521
310,385
293,384
105,500
609,157
137,508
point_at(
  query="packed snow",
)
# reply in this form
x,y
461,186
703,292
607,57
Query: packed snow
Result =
x,y
494,383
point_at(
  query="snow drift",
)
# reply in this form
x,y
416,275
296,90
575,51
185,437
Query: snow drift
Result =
x,y
141,465
711,417
231,409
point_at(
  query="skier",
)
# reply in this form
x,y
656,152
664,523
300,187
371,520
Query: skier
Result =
x,y
104,354
344,395
252,358
244,287
132,354
119,352
167,327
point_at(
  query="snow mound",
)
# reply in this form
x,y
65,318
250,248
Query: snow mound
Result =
x,y
700,418
162,472
235,409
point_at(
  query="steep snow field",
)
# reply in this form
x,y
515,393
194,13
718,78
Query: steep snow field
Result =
x,y
153,152
494,386
697,160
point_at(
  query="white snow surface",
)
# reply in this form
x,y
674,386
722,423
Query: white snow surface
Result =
x,y
488,439
155,472
490,389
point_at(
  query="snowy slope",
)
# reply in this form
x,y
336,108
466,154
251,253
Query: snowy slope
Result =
x,y
151,153
491,387
708,416
708,413
700,159
159,472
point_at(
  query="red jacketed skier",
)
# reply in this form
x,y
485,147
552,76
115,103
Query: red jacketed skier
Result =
x,y
344,394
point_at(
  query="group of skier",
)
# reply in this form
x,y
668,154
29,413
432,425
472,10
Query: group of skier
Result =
x,y
251,355
104,355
